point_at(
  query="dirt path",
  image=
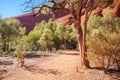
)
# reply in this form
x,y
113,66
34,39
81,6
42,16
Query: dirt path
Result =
x,y
52,67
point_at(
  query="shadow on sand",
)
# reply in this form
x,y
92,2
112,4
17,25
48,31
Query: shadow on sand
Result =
x,y
36,69
6,62
70,52
115,74
35,55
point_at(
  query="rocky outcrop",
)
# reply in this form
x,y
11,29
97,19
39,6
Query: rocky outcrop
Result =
x,y
61,16
29,21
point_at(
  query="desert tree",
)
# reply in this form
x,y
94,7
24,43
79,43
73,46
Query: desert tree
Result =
x,y
10,30
32,39
78,9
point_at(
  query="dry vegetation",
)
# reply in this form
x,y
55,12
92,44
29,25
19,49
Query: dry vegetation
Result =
x,y
35,51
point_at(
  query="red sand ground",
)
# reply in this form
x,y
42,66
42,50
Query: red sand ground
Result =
x,y
52,67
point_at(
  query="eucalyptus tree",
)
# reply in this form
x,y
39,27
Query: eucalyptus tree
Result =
x,y
10,30
47,34
33,38
64,34
77,9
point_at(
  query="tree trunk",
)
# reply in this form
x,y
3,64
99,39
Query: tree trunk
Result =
x,y
4,46
49,47
22,62
80,47
118,63
48,44
65,44
86,62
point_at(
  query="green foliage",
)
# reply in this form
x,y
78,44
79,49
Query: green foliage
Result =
x,y
32,39
10,33
48,35
45,10
103,41
21,51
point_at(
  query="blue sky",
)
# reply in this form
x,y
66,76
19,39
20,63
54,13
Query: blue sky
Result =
x,y
10,8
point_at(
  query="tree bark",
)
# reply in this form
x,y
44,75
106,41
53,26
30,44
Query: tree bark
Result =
x,y
48,44
86,62
80,47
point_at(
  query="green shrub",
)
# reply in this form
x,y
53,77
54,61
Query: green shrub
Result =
x,y
103,43
50,36
21,52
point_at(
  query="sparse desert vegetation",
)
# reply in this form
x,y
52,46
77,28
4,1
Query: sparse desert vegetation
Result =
x,y
84,46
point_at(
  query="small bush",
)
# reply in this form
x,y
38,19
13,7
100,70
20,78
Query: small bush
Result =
x,y
21,52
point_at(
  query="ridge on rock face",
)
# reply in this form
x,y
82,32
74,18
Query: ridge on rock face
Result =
x,y
29,21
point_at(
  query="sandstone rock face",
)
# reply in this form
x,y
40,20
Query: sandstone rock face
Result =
x,y
62,17
117,8
29,21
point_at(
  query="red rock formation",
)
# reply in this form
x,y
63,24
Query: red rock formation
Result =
x,y
29,21
116,9
61,16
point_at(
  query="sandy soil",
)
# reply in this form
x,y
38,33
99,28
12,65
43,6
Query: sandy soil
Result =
x,y
50,67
